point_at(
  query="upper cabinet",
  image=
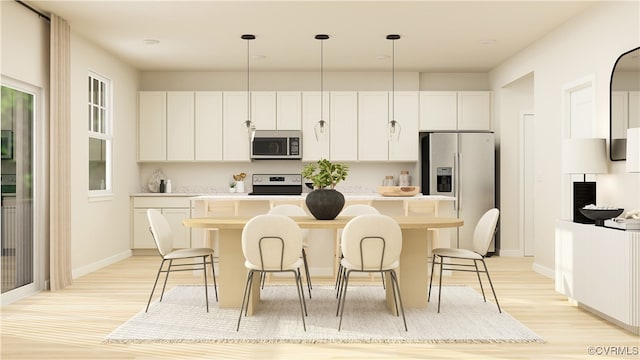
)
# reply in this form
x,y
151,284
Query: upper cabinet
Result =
x,y
343,127
373,116
263,109
235,144
152,125
289,110
180,125
208,125
455,110
375,109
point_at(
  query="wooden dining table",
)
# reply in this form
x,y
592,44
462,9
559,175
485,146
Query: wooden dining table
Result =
x,y
413,272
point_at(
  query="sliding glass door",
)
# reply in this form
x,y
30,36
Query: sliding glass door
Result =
x,y
18,261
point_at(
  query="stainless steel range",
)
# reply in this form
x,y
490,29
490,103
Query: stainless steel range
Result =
x,y
276,184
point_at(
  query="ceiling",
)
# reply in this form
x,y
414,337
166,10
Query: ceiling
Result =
x,y
436,36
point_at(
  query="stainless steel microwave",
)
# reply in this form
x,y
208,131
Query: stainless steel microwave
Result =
x,y
277,144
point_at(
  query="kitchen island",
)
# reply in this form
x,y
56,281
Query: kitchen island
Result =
x,y
323,251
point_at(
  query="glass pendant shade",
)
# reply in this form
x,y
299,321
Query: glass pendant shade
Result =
x,y
393,130
321,129
249,127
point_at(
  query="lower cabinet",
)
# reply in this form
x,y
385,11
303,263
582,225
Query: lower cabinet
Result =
x,y
174,208
598,268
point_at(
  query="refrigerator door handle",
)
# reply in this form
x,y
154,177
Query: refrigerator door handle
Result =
x,y
456,182
459,177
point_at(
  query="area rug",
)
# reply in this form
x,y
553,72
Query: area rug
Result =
x,y
182,317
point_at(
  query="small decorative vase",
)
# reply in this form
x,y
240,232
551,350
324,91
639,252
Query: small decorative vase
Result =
x,y
325,204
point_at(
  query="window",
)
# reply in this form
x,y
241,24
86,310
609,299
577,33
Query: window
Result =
x,y
100,135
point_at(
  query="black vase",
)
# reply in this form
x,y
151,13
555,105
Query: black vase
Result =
x,y
325,204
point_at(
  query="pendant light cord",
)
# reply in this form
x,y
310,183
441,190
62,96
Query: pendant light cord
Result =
x,y
248,93
393,80
321,80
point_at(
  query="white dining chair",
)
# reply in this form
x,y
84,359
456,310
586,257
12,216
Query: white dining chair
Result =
x,y
354,209
271,243
163,238
371,243
296,210
482,236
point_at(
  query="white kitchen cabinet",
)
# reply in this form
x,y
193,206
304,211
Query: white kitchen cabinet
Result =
x,y
343,128
407,114
180,125
438,110
289,110
263,109
152,125
455,110
598,268
175,209
312,149
208,125
235,141
373,116
474,110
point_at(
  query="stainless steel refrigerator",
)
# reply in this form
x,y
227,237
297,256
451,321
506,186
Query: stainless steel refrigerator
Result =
x,y
462,165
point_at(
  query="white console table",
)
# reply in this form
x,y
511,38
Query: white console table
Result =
x,y
599,268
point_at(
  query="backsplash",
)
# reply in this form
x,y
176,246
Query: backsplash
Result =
x,y
199,178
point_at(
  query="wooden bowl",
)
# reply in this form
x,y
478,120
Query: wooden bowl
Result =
x,y
398,190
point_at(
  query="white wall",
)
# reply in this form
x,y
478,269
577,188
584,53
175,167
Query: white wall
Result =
x,y
100,230
588,45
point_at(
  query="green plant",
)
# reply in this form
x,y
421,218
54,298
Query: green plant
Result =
x,y
325,174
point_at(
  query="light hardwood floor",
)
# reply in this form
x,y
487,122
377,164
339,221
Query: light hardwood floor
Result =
x,y
72,323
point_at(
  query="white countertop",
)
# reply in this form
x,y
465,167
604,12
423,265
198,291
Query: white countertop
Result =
x,y
347,196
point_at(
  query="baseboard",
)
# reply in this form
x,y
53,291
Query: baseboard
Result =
x,y
511,253
543,270
87,269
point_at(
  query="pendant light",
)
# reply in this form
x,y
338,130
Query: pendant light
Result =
x,y
248,125
321,129
393,126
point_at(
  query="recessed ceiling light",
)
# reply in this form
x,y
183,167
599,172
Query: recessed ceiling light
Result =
x,y
151,41
487,41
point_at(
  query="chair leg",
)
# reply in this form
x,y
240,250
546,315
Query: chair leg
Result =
x,y
303,304
154,284
490,283
245,297
206,288
394,280
344,296
306,271
164,286
475,263
215,284
433,263
440,282
384,286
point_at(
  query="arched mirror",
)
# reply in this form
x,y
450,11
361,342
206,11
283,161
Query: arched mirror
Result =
x,y
625,102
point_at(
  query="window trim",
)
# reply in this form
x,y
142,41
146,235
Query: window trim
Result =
x,y
106,193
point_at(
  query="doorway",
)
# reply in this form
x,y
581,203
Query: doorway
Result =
x,y
21,255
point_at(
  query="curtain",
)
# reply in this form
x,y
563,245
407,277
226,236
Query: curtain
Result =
x,y
60,155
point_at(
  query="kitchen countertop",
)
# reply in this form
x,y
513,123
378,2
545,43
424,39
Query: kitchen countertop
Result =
x,y
347,196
